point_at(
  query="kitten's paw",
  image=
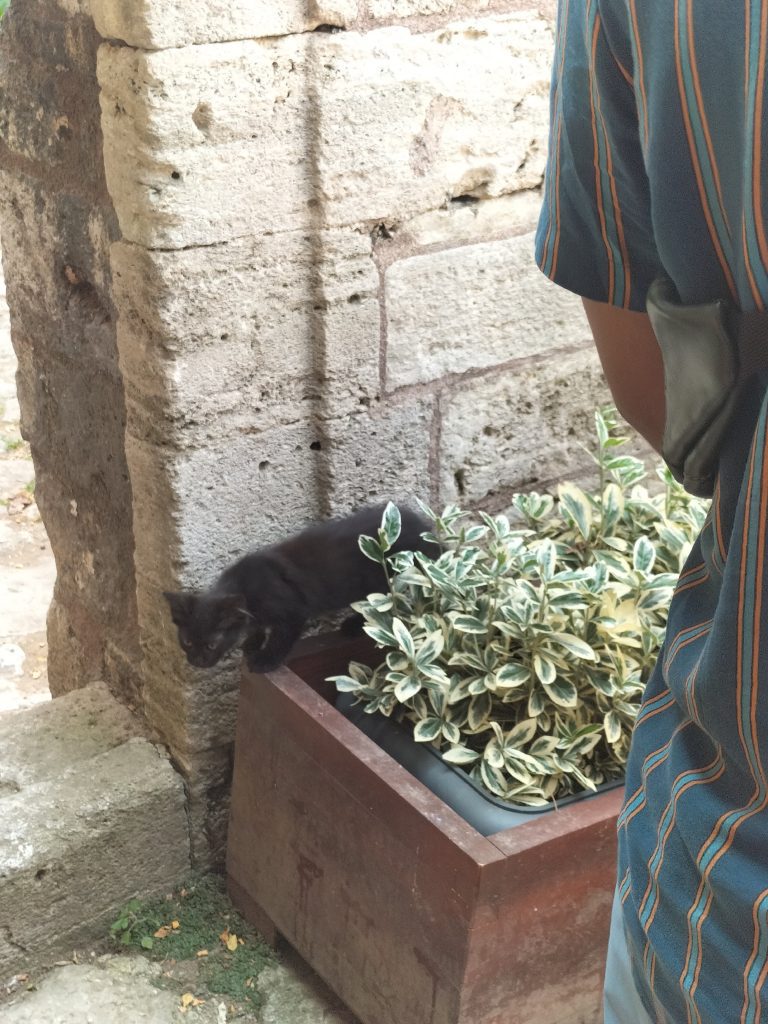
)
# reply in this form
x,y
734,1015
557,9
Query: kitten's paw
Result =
x,y
258,662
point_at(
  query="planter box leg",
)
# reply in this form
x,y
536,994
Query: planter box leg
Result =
x,y
254,914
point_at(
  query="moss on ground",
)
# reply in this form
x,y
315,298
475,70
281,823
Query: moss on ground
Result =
x,y
198,922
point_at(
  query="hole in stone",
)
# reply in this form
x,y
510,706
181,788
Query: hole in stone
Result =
x,y
64,131
175,175
460,478
202,116
329,28
40,874
223,337
381,231
355,299
466,200
264,465
316,446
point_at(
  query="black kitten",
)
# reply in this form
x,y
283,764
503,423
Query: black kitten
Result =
x,y
264,600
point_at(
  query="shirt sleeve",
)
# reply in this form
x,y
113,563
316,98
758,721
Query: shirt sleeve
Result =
x,y
595,234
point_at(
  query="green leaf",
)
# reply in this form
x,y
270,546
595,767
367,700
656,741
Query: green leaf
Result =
x,y
536,702
451,732
390,524
403,638
125,938
345,684
576,507
573,645
430,649
643,555
522,733
512,674
545,669
460,755
468,624
546,557
371,549
381,636
563,693
612,727
427,730
146,942
407,688
492,779
479,710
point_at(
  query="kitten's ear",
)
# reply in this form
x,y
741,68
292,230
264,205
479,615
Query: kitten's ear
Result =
x,y
233,609
182,604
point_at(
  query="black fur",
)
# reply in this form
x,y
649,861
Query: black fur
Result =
x,y
264,600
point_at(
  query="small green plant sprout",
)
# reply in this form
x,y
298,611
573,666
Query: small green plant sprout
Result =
x,y
197,922
522,651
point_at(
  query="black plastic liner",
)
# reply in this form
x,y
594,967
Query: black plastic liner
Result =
x,y
487,814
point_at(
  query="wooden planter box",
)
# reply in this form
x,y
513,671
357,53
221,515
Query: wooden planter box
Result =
x,y
408,913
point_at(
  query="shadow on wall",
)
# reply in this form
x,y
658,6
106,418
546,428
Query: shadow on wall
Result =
x,y
27,568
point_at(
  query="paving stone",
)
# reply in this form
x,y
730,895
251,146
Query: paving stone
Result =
x,y
90,816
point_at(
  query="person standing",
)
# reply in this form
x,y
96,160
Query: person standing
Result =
x,y
658,170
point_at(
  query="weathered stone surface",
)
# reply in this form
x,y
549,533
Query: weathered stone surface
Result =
x,y
518,430
380,455
198,509
42,742
154,26
471,308
247,335
465,222
57,225
116,988
395,10
273,127
106,991
49,111
80,804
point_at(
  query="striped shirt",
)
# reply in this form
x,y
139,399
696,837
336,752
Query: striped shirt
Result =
x,y
659,162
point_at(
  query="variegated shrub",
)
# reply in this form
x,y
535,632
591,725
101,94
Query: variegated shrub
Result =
x,y
522,651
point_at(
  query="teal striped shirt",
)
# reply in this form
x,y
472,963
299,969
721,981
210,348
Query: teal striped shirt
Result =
x,y
657,163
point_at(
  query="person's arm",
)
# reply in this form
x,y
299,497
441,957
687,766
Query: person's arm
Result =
x,y
632,365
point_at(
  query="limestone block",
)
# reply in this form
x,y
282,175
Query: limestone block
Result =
x,y
247,335
90,815
517,430
464,222
473,307
194,511
319,129
37,743
394,10
381,454
154,26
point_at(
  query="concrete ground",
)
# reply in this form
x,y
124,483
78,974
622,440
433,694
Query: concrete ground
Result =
x,y
123,989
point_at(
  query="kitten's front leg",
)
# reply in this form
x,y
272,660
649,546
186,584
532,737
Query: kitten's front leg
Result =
x,y
266,655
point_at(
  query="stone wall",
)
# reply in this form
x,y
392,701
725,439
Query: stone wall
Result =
x,y
57,225
325,289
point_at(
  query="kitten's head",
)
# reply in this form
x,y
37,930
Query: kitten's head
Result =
x,y
209,625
